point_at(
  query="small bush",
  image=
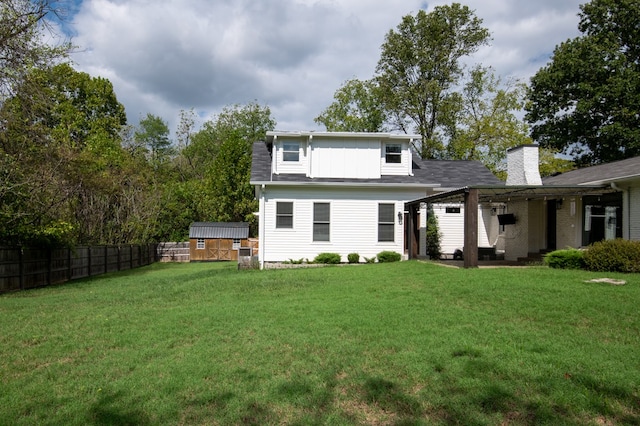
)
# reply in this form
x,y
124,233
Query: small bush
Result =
x,y
353,258
370,259
327,258
565,259
613,256
388,256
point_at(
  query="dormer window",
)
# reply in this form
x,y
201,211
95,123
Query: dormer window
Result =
x,y
393,153
291,151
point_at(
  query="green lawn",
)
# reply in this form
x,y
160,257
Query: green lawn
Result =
x,y
403,343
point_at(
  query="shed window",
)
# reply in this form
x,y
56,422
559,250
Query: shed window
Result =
x,y
291,151
385,222
200,244
393,153
236,243
284,214
321,221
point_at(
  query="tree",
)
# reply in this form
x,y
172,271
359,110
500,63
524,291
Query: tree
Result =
x,y
586,101
153,134
23,24
485,124
419,68
434,249
63,164
356,108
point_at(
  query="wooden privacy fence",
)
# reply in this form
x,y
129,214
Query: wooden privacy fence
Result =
x,y
24,267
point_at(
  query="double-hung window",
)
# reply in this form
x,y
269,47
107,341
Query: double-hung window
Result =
x,y
393,153
290,151
284,214
321,221
386,226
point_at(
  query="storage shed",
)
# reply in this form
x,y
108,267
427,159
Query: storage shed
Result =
x,y
211,241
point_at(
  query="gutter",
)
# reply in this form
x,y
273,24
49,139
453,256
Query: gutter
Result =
x,y
348,184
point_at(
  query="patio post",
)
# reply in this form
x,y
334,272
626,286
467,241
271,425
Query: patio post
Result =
x,y
471,228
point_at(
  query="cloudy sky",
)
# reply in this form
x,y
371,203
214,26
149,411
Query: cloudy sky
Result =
x,y
163,56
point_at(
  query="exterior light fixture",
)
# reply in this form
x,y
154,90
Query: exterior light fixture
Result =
x,y
399,218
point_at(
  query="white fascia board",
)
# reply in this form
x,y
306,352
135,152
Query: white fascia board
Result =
x,y
399,136
350,184
608,181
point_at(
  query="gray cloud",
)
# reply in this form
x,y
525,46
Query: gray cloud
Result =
x,y
167,55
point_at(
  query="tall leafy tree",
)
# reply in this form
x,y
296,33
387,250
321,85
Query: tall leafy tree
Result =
x,y
153,134
356,108
61,135
586,101
215,167
23,28
485,124
420,66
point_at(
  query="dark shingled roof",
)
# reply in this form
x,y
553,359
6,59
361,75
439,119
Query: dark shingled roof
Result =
x,y
446,173
602,173
226,230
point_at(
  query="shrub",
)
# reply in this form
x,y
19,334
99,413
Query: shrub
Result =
x,y
353,258
370,259
434,249
388,256
565,259
327,258
613,256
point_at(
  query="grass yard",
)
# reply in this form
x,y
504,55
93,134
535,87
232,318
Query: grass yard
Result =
x,y
404,343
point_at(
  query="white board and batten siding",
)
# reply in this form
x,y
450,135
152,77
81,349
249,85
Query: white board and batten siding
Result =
x,y
345,158
353,222
451,226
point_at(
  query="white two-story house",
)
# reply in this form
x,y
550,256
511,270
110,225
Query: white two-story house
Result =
x,y
344,193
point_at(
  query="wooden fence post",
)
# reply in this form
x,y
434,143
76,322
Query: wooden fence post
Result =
x,y
21,267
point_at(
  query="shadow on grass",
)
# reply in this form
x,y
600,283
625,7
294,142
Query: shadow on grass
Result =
x,y
109,410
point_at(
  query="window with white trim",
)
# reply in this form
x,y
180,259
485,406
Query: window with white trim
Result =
x,y
393,153
284,214
291,151
386,224
200,244
236,243
321,221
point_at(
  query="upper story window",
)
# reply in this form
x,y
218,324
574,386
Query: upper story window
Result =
x,y
284,214
291,151
393,153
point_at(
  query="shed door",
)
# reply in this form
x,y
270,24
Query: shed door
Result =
x,y
225,248
213,250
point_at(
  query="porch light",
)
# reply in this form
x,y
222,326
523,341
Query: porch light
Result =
x,y
399,218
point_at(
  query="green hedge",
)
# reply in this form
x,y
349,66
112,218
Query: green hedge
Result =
x,y
388,256
565,259
353,258
329,258
613,256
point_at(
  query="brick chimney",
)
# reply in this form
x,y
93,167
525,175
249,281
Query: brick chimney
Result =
x,y
522,165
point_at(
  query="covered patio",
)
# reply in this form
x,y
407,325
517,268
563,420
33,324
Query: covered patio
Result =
x,y
547,199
